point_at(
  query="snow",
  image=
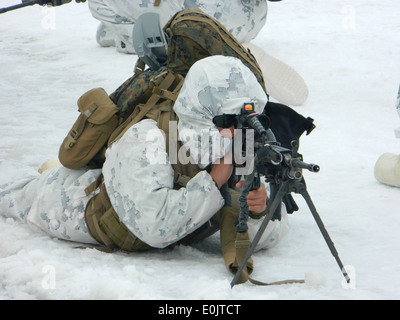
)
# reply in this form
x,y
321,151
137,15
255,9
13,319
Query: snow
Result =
x,y
348,53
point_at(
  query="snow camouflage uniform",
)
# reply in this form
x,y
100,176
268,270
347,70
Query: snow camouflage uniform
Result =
x,y
244,19
69,199
137,174
190,38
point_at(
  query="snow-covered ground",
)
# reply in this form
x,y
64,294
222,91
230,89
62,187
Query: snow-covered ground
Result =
x,y
349,54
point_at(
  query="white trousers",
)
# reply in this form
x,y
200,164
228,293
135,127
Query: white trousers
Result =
x,y
53,202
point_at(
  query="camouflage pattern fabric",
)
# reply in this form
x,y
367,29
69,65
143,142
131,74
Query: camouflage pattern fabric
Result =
x,y
52,202
138,174
214,86
131,92
192,36
243,18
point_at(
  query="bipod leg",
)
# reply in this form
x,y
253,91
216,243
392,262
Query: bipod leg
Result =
x,y
270,212
325,234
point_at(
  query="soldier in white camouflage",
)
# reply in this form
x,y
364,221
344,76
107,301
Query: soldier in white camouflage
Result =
x,y
243,18
138,174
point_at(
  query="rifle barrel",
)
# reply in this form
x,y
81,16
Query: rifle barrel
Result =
x,y
309,166
17,6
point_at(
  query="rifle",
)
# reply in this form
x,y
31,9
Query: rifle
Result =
x,y
282,168
26,3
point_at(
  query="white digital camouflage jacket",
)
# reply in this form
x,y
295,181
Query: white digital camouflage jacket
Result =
x,y
138,174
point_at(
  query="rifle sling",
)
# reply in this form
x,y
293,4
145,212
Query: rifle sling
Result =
x,y
242,244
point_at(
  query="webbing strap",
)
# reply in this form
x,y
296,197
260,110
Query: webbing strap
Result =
x,y
128,243
165,94
74,134
104,238
119,234
140,66
242,245
164,85
181,179
105,226
157,3
276,283
94,185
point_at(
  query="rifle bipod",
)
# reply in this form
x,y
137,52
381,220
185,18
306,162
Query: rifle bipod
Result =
x,y
288,186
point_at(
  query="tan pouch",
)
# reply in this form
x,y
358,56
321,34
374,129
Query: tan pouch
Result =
x,y
91,131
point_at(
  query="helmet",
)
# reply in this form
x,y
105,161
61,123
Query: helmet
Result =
x,y
149,40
